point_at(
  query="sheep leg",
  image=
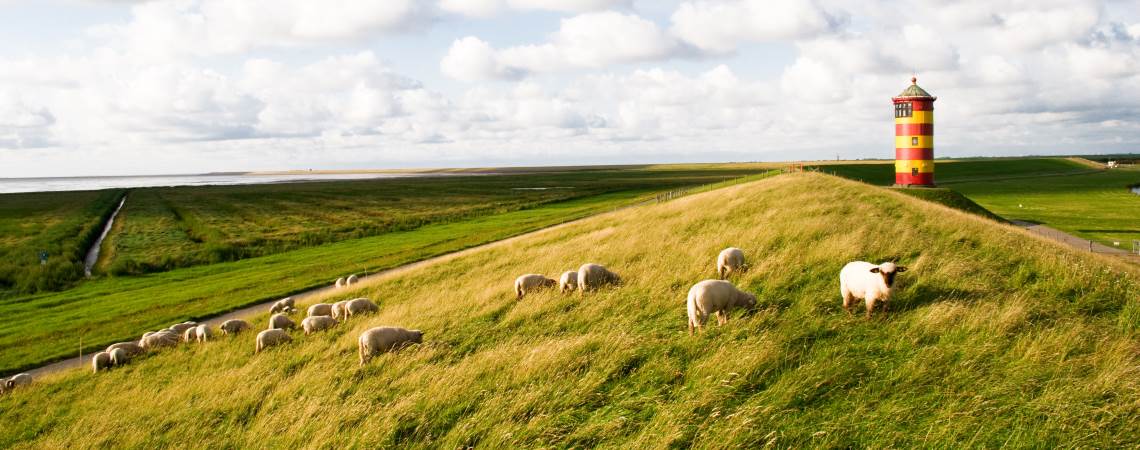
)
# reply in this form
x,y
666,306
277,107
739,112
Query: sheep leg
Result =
x,y
870,307
721,318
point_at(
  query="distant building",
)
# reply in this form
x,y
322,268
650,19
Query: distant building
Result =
x,y
914,136
1113,164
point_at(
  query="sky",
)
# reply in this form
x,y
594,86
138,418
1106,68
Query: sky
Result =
x,y
120,87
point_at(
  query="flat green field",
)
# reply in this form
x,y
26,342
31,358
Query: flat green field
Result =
x,y
168,228
64,226
994,338
1058,192
52,326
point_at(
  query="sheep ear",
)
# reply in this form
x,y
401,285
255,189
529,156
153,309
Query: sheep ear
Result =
x,y
901,269
875,270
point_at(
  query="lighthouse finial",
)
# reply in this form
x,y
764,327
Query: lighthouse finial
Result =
x,y
913,79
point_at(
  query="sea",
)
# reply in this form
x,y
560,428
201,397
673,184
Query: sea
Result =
x,y
13,185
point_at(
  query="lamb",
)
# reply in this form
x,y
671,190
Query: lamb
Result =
x,y
340,282
283,305
118,357
863,280
182,327
715,296
130,348
271,337
190,334
158,340
338,310
730,260
351,280
100,361
592,276
314,324
234,326
568,282
359,306
202,333
15,381
320,309
531,282
385,339
281,321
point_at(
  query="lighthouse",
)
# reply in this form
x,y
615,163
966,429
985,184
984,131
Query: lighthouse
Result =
x,y
914,136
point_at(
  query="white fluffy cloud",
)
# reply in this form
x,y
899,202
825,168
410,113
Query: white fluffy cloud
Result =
x,y
487,8
723,25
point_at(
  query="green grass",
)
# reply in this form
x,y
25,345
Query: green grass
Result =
x,y
950,198
995,339
63,225
168,228
1096,206
953,172
52,326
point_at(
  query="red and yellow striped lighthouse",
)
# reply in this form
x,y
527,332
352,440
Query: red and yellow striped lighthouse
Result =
x,y
914,136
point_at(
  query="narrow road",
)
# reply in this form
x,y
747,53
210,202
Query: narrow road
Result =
x,y
1070,240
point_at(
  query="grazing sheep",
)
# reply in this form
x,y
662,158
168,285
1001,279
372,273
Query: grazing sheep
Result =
x,y
190,334
314,324
320,309
592,276
118,357
730,260
340,282
131,348
385,339
283,305
863,280
234,326
532,282
351,280
338,310
182,327
281,321
160,339
568,282
100,361
269,338
15,381
359,306
202,333
715,296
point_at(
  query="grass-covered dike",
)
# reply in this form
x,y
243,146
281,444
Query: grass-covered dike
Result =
x,y
995,338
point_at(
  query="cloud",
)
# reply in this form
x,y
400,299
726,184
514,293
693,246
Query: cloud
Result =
x,y
488,8
721,26
591,40
23,125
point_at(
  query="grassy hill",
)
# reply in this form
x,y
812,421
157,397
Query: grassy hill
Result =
x,y
995,338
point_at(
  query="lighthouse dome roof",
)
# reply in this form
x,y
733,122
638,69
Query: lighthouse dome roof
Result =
x,y
914,91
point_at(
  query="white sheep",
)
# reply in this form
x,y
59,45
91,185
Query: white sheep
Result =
x,y
568,282
100,361
385,339
269,338
320,309
202,333
338,310
317,323
190,334
164,338
118,357
359,306
532,282
281,321
131,348
283,305
592,276
866,281
730,260
340,282
234,326
180,328
15,381
715,296
351,280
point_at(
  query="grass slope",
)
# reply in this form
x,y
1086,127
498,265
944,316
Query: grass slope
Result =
x,y
53,326
996,338
951,172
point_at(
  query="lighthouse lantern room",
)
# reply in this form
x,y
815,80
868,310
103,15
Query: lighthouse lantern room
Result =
x,y
914,136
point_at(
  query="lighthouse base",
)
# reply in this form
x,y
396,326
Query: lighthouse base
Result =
x,y
917,186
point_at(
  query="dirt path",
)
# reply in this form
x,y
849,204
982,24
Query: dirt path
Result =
x,y
1072,241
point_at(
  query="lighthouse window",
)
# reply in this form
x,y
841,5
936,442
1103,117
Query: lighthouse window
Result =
x,y
914,141
902,110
